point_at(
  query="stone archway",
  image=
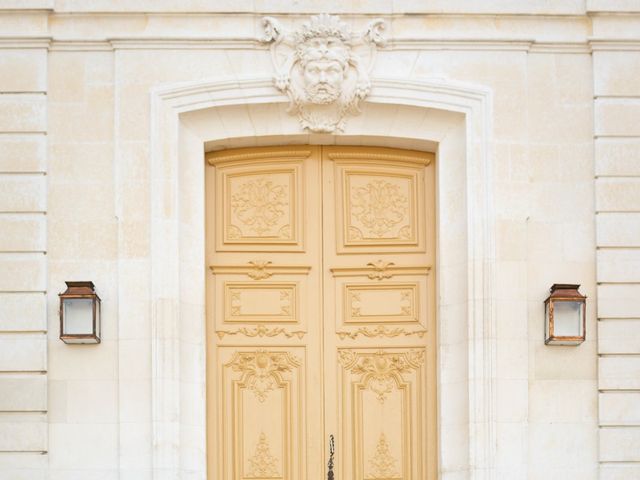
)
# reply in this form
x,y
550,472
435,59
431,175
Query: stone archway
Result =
x,y
224,113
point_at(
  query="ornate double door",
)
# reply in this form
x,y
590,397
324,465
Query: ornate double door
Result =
x,y
321,313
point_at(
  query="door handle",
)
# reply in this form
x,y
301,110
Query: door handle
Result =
x,y
332,450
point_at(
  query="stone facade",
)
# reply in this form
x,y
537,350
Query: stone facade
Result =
x,y
533,109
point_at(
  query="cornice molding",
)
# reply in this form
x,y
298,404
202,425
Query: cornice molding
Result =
x,y
504,44
560,47
157,43
394,44
417,43
25,42
614,45
80,46
186,43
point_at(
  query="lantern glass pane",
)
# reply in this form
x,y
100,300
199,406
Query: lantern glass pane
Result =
x,y
98,322
78,316
546,320
567,319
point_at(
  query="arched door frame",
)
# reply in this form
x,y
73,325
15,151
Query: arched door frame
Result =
x,y
402,113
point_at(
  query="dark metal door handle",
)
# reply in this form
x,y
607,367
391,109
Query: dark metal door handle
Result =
x,y
332,450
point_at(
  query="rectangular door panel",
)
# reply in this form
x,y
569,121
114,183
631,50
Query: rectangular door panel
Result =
x,y
266,299
265,302
382,412
398,306
262,412
379,203
261,199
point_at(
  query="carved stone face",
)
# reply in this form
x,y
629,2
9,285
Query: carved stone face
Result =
x,y
323,68
323,80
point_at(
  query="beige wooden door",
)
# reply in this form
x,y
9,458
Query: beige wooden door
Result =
x,y
321,313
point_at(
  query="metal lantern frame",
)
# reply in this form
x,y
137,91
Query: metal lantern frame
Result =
x,y
81,290
563,293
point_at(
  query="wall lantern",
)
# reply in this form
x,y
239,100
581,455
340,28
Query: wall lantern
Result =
x,y
80,313
565,315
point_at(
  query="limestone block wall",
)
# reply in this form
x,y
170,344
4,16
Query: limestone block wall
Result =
x,y
23,259
75,188
617,172
83,234
556,238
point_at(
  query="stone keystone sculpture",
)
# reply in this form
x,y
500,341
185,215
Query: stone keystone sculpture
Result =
x,y
323,68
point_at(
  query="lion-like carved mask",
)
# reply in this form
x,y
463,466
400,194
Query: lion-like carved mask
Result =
x,y
322,73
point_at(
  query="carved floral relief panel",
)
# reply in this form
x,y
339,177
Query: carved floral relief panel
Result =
x,y
262,206
380,207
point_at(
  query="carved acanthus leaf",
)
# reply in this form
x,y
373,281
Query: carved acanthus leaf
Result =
x,y
375,32
380,270
262,370
380,331
381,372
261,331
259,269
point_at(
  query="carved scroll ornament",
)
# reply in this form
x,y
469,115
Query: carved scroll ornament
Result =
x,y
323,68
380,331
261,331
262,370
380,371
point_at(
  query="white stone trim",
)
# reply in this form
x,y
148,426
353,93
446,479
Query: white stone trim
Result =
x,y
24,42
614,45
247,42
171,459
